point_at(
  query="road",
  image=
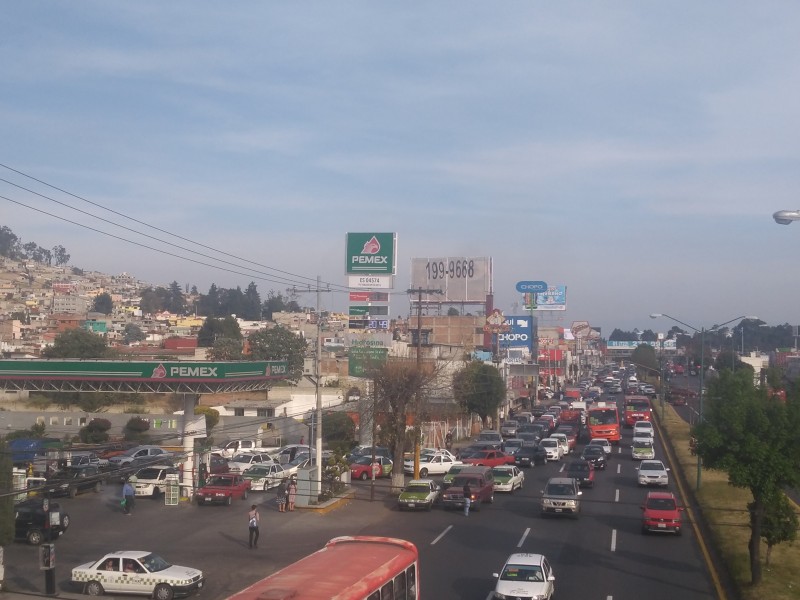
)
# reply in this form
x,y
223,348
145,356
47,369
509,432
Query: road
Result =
x,y
602,555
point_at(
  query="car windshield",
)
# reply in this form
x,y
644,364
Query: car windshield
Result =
x,y
522,573
67,474
578,468
652,466
603,417
642,444
257,470
242,458
154,563
299,461
416,488
549,443
364,460
661,503
593,451
559,489
220,481
501,472
489,437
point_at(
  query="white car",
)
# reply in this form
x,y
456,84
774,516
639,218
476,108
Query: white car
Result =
x,y
652,472
151,482
508,478
603,443
643,427
136,572
525,576
264,476
431,464
563,440
553,448
241,462
642,449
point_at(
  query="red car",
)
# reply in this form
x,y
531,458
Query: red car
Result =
x,y
582,471
223,489
660,512
489,458
360,469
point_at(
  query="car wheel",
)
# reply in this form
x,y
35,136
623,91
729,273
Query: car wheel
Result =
x,y
65,522
228,500
266,486
156,493
163,592
73,491
363,476
678,531
93,588
35,537
423,472
96,487
244,494
491,498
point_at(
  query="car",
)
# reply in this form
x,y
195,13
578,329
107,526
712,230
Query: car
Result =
x,y
138,452
289,452
223,489
363,468
643,426
513,445
38,520
508,429
582,471
301,461
528,456
595,455
525,576
490,435
431,464
264,476
72,481
489,458
649,390
241,462
553,448
661,513
572,435
564,441
418,493
360,451
218,464
642,449
508,478
652,472
151,481
561,496
538,429
529,439
481,483
603,443
447,480
136,572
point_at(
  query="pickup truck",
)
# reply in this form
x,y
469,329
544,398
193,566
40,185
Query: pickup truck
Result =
x,y
235,447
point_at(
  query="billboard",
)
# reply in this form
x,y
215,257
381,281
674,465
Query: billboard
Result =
x,y
519,335
371,253
555,298
670,345
460,278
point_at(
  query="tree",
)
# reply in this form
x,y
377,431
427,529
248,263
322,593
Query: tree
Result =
x,y
9,243
60,255
252,303
753,438
133,333
136,429
338,430
77,343
780,523
211,415
176,303
95,431
480,389
214,329
103,304
226,349
452,311
279,343
645,355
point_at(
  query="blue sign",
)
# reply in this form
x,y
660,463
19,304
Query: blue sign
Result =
x,y
520,333
531,287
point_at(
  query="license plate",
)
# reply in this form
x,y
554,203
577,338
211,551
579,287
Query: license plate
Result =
x,y
208,499
558,510
411,505
662,526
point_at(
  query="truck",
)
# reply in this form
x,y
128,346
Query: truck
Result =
x,y
576,413
234,447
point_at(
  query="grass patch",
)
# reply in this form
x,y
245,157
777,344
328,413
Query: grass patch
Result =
x,y
724,508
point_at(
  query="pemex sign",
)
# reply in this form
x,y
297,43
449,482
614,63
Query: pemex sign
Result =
x,y
371,254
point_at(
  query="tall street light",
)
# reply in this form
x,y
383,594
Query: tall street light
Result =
x,y
702,332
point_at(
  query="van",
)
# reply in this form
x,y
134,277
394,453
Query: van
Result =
x,y
481,483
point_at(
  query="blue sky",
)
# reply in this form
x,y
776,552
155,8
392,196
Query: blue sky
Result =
x,y
632,151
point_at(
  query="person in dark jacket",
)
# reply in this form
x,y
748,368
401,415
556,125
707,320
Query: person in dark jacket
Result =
x,y
467,498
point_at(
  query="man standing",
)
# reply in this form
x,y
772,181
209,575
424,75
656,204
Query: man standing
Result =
x,y
253,521
128,496
467,498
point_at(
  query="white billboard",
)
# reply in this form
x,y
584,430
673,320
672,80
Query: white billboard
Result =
x,y
460,279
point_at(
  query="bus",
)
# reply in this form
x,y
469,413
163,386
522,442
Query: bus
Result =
x,y
602,421
347,568
637,408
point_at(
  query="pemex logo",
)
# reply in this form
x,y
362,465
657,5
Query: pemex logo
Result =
x,y
373,246
159,372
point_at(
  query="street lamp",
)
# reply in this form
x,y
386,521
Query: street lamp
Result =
x,y
702,332
785,217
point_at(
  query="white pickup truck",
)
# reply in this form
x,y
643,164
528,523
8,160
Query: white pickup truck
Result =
x,y
235,447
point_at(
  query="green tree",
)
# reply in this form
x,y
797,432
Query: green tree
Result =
x,y
95,431
279,343
753,438
480,389
176,302
103,304
338,429
780,523
60,255
452,311
211,415
252,303
6,500
133,333
645,355
136,429
214,329
77,343
9,243
226,349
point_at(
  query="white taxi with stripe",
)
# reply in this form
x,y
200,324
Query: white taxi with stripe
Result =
x,y
137,572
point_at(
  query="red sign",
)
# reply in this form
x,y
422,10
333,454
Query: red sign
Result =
x,y
369,297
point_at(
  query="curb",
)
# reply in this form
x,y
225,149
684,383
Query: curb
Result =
x,y
330,505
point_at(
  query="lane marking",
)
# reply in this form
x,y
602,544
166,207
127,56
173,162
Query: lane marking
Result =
x,y
524,535
613,540
616,496
619,469
441,535
561,470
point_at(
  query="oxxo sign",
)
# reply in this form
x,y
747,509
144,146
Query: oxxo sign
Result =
x,y
531,287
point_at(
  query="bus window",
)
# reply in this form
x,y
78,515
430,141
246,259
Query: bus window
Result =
x,y
411,577
374,596
400,587
387,591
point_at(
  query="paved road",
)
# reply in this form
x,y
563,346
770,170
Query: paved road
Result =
x,y
602,555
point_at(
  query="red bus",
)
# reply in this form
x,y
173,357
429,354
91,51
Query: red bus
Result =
x,y
602,421
637,408
347,568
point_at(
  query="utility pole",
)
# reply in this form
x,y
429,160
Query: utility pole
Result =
x,y
419,291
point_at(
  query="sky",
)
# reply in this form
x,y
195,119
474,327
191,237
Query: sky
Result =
x,y
631,151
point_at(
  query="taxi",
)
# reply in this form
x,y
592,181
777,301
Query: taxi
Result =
x,y
419,493
137,572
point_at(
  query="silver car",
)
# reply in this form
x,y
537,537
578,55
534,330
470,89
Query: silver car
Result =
x,y
652,472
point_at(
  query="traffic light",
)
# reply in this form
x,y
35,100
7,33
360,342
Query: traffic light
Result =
x,y
47,556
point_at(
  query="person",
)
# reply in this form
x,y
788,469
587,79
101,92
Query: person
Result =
x,y
467,498
129,566
280,496
110,565
253,520
128,496
301,439
448,440
291,493
202,474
